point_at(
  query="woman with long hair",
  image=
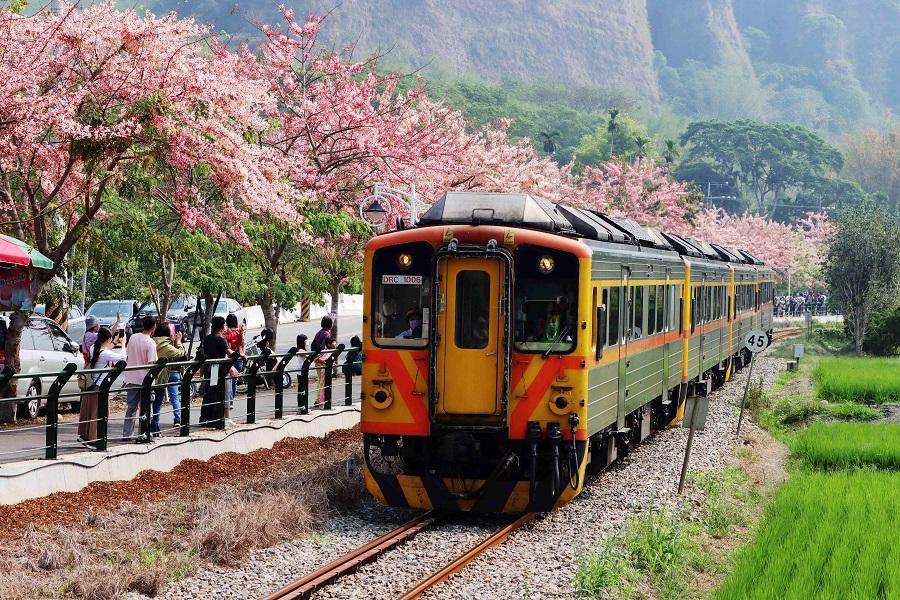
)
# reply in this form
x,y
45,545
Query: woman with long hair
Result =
x,y
101,356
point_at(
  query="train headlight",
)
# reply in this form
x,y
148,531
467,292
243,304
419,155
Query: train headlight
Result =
x,y
560,404
381,399
404,261
546,264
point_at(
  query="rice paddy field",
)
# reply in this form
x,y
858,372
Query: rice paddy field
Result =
x,y
848,445
852,379
828,535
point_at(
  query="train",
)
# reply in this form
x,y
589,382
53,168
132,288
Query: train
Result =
x,y
512,345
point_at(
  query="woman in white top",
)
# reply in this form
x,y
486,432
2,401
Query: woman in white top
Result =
x,y
102,356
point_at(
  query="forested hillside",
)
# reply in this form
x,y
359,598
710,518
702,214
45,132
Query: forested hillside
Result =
x,y
826,64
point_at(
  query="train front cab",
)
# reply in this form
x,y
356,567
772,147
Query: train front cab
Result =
x,y
479,407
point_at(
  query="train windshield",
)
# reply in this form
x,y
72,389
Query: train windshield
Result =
x,y
402,296
546,300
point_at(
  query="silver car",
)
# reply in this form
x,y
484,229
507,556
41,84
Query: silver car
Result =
x,y
45,348
74,325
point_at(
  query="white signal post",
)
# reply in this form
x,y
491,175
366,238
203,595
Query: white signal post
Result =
x,y
755,341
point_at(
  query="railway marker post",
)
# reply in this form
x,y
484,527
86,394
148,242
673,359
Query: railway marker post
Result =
x,y
696,409
755,341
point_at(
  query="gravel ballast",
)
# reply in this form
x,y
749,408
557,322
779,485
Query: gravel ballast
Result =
x,y
537,561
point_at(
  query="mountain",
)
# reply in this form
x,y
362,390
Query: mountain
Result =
x,y
828,64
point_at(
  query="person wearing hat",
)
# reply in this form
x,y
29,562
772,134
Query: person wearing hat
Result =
x,y
92,326
414,319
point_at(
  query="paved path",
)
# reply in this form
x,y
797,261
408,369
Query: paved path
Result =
x,y
29,441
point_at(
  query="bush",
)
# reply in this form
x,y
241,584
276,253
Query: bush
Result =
x,y
606,571
883,333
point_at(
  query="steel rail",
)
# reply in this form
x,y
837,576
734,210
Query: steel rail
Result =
x,y
303,588
464,559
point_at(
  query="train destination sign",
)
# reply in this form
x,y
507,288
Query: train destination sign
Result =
x,y
401,279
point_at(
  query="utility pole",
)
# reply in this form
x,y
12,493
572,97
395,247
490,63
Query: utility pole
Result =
x,y
84,278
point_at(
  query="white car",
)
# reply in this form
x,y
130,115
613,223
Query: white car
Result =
x,y
45,348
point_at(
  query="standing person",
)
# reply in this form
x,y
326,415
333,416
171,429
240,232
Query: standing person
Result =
x,y
214,346
101,356
234,335
168,346
140,350
353,362
92,328
322,342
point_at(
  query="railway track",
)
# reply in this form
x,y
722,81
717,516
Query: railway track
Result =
x,y
305,587
780,334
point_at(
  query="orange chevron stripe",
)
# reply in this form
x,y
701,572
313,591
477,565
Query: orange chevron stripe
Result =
x,y
415,403
536,390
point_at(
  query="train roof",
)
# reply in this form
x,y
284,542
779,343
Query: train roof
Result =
x,y
533,212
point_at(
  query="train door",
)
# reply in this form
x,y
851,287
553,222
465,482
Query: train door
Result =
x,y
701,292
470,324
625,299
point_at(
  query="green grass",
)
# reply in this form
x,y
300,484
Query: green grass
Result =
x,y
826,535
848,445
865,380
656,547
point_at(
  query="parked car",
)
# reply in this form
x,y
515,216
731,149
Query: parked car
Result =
x,y
45,348
75,323
226,306
130,312
180,307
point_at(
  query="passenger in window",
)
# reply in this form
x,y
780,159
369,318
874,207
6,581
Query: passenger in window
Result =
x,y
414,320
551,324
480,331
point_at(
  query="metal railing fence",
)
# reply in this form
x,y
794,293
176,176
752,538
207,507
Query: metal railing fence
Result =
x,y
263,381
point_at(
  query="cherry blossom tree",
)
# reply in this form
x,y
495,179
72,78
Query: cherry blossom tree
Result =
x,y
88,91
641,191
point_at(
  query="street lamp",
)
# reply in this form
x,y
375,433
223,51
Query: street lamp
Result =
x,y
385,200
375,212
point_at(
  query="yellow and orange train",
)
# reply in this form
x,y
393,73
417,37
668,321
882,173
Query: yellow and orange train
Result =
x,y
509,342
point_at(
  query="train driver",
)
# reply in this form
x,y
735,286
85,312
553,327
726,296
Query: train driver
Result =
x,y
414,319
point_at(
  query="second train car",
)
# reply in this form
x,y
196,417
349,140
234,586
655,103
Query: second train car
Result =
x,y
510,342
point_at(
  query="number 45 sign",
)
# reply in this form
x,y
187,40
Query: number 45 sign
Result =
x,y
756,341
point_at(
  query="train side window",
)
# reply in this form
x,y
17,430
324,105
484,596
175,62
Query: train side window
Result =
x,y
638,328
694,308
661,308
614,300
651,310
600,326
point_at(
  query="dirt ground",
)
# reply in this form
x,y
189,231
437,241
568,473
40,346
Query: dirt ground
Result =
x,y
67,508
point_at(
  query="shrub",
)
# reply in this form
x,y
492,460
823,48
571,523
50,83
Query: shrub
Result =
x,y
866,380
843,445
883,333
607,571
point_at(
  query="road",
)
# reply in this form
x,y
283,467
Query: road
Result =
x,y
28,441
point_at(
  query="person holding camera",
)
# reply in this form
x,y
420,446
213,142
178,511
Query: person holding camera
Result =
x,y
168,345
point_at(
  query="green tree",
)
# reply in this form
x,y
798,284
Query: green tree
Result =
x,y
768,160
622,133
335,264
863,265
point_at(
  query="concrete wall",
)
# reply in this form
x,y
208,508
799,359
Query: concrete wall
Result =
x,y
348,304
36,478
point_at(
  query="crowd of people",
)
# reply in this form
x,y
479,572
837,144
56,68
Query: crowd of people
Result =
x,y
103,347
798,304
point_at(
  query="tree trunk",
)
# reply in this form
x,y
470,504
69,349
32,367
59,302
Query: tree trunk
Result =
x,y
270,313
167,270
335,299
11,345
